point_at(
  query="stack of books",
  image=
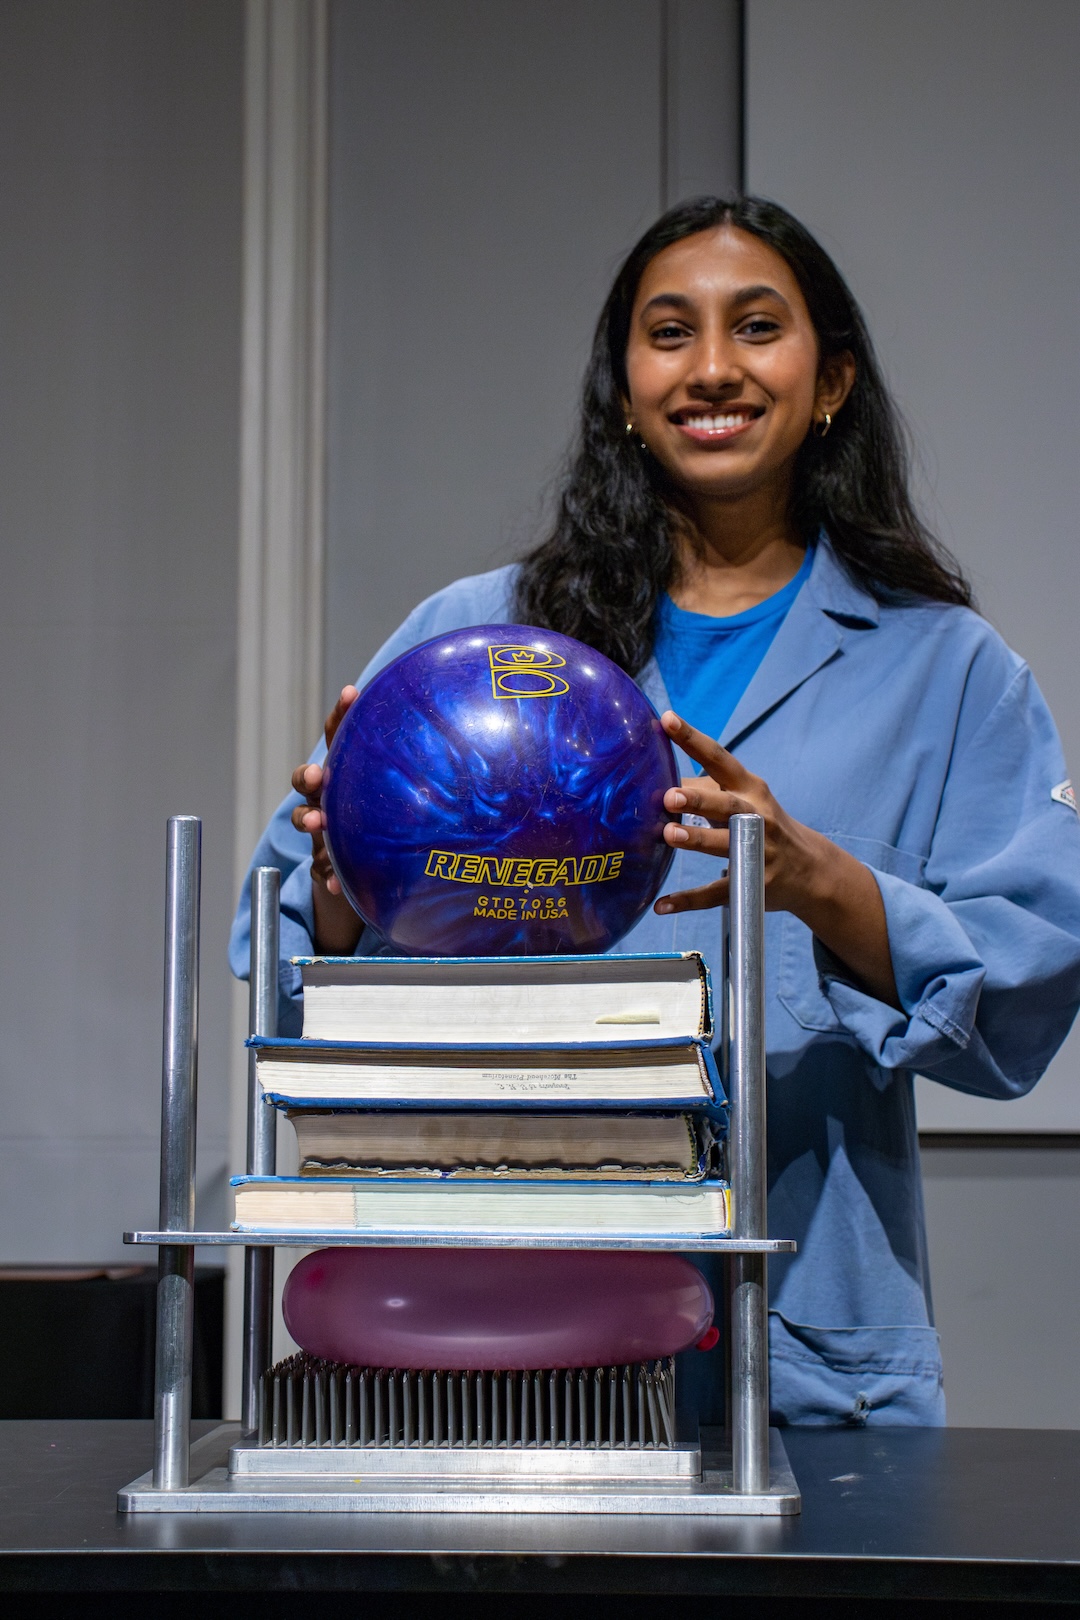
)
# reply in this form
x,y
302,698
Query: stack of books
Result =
x,y
506,1098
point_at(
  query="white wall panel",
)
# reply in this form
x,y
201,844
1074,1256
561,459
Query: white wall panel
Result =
x,y
119,302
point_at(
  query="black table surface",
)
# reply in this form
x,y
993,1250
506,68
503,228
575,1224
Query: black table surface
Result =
x,y
946,1514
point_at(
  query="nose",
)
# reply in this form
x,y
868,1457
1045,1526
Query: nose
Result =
x,y
715,367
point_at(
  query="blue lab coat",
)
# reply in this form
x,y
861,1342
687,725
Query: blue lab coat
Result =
x,y
913,737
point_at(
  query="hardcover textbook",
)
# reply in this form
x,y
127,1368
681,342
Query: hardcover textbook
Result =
x,y
492,1208
674,1074
608,1147
506,1000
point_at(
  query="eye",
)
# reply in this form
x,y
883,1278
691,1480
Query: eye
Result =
x,y
669,332
759,326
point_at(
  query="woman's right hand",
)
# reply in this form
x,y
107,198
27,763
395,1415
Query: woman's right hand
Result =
x,y
337,926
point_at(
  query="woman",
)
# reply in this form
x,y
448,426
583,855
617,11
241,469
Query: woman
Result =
x,y
736,531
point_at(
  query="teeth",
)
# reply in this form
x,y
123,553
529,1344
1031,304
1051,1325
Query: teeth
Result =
x,y
714,424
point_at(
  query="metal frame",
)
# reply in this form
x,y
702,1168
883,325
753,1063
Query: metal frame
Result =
x,y
759,1480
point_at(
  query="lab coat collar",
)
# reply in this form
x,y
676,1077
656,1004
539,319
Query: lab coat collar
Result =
x,y
836,592
828,610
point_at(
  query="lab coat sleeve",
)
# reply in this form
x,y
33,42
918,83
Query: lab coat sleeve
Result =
x,y
480,599
986,952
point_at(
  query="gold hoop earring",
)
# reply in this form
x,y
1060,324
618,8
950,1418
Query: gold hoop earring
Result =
x,y
822,427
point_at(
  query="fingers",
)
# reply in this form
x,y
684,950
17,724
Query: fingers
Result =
x,y
721,766
710,840
308,818
307,781
703,899
349,695
321,869
701,796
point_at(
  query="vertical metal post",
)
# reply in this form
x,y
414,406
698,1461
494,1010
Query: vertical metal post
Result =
x,y
261,1133
748,1299
724,1303
176,1213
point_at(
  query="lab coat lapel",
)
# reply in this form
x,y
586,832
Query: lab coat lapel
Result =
x,y
826,611
652,684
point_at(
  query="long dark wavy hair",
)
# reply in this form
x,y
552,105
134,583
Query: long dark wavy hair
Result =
x,y
599,573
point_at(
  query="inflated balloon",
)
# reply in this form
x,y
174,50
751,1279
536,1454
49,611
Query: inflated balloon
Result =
x,y
494,1309
499,791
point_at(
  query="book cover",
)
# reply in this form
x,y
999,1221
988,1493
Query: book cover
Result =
x,y
503,1146
664,1075
504,1208
520,999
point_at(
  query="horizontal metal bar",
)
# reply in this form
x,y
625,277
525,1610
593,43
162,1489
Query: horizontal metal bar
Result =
x,y
307,1239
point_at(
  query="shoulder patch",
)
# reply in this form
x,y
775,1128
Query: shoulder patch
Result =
x,y
1065,793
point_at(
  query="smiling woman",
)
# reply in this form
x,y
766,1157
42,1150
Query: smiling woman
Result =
x,y
753,318
736,532
723,381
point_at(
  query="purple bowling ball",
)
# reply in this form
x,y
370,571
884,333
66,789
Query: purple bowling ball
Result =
x,y
485,1310
498,791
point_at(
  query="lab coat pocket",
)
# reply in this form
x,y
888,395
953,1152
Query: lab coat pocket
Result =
x,y
800,987
856,1375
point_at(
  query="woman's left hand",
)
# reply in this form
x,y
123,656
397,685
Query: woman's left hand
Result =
x,y
794,857
805,873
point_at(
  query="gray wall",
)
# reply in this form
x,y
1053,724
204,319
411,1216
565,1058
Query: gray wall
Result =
x,y
490,165
120,124
1001,1226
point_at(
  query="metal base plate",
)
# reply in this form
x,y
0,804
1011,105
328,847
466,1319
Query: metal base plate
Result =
x,y
506,1466
216,1491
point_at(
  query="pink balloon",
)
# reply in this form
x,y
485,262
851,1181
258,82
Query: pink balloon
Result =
x,y
481,1309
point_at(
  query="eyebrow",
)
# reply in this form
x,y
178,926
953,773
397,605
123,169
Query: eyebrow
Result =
x,y
750,295
671,300
745,295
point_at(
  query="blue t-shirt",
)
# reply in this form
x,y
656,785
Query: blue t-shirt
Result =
x,y
707,663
